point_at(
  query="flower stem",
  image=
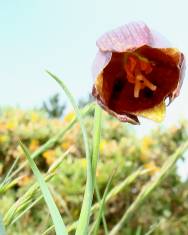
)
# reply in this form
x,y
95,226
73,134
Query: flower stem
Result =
x,y
96,141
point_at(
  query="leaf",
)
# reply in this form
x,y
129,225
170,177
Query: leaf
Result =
x,y
54,212
48,230
102,204
82,227
7,177
103,216
118,188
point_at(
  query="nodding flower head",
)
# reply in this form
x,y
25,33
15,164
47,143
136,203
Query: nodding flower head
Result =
x,y
135,71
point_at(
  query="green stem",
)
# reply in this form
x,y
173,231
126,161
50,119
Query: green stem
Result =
x,y
96,141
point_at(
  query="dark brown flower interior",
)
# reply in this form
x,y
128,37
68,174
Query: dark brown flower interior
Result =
x,y
118,92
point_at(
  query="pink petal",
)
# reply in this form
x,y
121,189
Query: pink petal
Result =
x,y
126,117
182,67
101,61
158,40
127,37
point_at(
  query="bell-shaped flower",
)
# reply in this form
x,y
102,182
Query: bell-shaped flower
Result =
x,y
135,72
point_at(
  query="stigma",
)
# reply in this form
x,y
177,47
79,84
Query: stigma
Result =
x,y
137,68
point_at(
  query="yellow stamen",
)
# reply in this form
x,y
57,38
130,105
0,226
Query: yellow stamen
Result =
x,y
140,83
137,89
135,67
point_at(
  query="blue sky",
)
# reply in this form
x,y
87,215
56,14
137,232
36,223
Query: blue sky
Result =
x,y
60,36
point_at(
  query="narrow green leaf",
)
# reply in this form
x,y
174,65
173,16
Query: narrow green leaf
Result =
x,y
6,186
102,204
27,209
82,228
7,177
56,217
59,161
23,202
130,179
153,228
139,231
51,228
119,187
103,217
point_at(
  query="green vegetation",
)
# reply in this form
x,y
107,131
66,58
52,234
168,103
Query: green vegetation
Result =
x,y
53,107
144,196
59,178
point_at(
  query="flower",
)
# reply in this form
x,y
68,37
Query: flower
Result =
x,y
3,139
66,144
103,144
153,169
50,156
135,72
3,127
83,163
145,146
11,125
69,117
34,144
34,117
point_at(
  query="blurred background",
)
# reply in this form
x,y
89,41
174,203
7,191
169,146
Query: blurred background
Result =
x,y
60,36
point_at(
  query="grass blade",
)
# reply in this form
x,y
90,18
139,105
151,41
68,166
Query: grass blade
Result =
x,y
118,188
103,217
83,223
6,186
23,202
51,228
27,209
127,181
59,161
102,204
56,217
150,186
139,230
153,228
7,177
